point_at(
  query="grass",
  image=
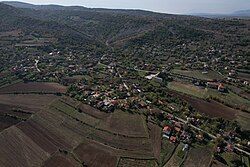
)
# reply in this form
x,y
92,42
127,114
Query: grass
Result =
x,y
175,159
166,151
187,89
230,98
72,112
233,159
198,74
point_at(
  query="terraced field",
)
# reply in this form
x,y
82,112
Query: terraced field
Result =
x,y
33,87
79,131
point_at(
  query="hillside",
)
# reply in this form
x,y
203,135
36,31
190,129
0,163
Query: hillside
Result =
x,y
117,88
13,19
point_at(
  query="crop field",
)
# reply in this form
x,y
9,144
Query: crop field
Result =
x,y
120,122
9,115
156,137
19,150
34,102
33,87
212,108
126,162
218,164
187,89
175,160
202,160
61,126
93,112
211,75
229,98
92,155
232,159
167,150
61,160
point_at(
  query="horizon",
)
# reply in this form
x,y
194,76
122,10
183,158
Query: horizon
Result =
x,y
206,7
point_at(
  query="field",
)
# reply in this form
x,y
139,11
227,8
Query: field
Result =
x,y
9,115
118,122
233,159
126,162
133,125
202,160
32,101
19,150
167,150
175,160
17,108
229,98
60,160
211,75
156,138
94,155
187,89
94,137
33,87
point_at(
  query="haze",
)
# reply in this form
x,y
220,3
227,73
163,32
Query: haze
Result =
x,y
164,6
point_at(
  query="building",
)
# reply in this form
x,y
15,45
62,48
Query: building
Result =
x,y
221,88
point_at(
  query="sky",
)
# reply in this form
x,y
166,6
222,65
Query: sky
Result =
x,y
163,6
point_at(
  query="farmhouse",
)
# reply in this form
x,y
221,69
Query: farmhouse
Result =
x,y
167,131
213,85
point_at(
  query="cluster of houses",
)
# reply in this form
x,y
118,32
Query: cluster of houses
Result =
x,y
176,131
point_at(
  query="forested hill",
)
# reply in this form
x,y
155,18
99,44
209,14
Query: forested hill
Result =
x,y
76,24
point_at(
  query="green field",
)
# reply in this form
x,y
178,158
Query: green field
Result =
x,y
233,159
229,98
167,151
198,74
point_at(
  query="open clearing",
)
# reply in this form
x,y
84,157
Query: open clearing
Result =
x,y
33,87
211,75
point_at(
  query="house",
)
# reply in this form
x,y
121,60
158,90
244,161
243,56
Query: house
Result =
x,y
213,85
221,88
167,130
200,137
229,148
173,139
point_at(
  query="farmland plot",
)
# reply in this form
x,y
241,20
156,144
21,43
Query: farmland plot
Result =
x,y
133,125
203,160
127,162
33,102
60,160
155,137
11,115
19,150
94,156
175,159
34,87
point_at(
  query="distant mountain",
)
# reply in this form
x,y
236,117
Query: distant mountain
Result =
x,y
41,7
242,13
237,14
12,19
